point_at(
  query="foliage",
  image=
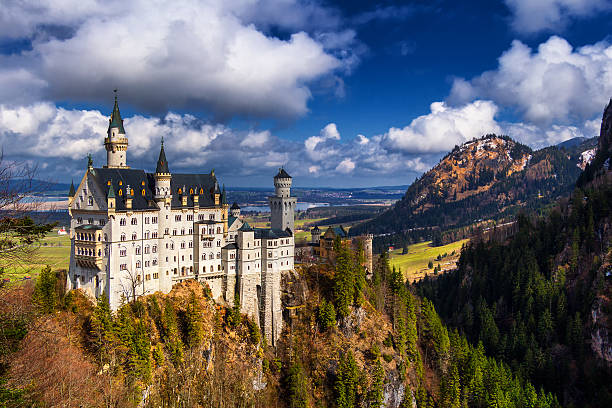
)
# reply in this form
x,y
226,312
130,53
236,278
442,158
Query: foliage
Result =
x,y
45,295
346,386
326,315
525,299
296,386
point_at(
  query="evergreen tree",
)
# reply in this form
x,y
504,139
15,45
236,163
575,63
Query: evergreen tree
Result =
x,y
326,315
347,378
296,386
344,281
375,394
45,294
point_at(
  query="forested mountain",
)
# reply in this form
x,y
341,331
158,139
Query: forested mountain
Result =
x,y
490,177
347,343
541,301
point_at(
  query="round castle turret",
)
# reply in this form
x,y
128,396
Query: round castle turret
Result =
x,y
116,143
282,205
235,210
282,183
315,234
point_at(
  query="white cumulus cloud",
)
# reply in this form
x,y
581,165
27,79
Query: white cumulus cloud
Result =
x,y
444,127
532,16
346,166
555,84
211,54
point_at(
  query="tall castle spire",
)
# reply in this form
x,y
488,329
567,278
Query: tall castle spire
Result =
x,y
116,142
162,163
115,120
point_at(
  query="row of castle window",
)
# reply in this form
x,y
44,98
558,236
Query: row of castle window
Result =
x,y
211,268
211,256
147,249
134,221
81,236
88,251
90,221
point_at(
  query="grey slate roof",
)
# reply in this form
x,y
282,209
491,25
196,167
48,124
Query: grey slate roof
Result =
x,y
162,163
282,174
115,119
89,227
235,206
231,245
72,192
121,178
262,233
245,227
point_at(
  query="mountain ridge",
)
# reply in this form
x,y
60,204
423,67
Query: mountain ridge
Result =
x,y
488,177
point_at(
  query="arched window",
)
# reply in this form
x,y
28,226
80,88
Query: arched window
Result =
x,y
203,257
138,250
123,236
134,236
138,264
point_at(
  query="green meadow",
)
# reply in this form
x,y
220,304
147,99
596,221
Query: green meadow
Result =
x,y
53,251
414,264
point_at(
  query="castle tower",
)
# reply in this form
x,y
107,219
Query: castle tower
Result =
x,y
235,210
315,235
116,143
282,205
163,198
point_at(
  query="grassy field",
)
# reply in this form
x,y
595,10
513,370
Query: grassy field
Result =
x,y
54,251
414,264
302,226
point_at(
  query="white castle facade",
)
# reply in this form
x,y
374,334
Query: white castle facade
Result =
x,y
135,233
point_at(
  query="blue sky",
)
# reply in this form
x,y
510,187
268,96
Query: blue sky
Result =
x,y
345,93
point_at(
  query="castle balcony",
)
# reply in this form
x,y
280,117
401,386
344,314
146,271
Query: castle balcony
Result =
x,y
89,261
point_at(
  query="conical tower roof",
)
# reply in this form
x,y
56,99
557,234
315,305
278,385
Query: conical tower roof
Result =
x,y
115,120
282,174
111,190
162,163
72,191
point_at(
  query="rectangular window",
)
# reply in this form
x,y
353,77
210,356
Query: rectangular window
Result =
x,y
123,267
189,217
146,220
122,252
154,220
90,221
156,276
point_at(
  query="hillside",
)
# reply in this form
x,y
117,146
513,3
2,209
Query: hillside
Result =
x,y
542,300
347,343
490,177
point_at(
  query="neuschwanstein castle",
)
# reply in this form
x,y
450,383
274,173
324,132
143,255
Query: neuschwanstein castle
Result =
x,y
135,233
